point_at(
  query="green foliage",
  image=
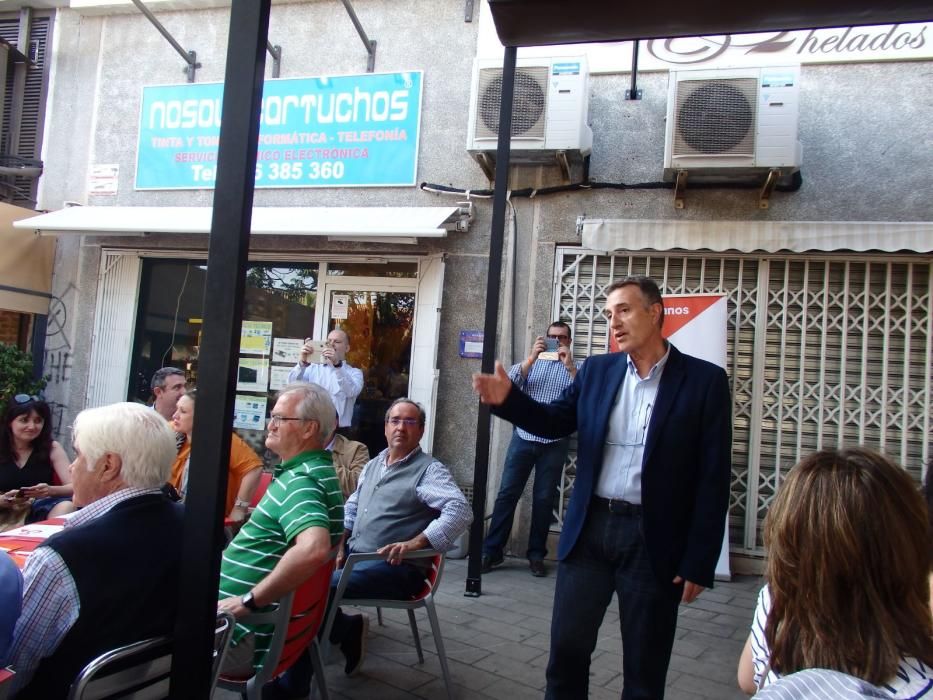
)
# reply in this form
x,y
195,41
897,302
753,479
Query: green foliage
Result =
x,y
16,373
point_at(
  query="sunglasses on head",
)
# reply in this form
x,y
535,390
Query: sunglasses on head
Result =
x,y
22,399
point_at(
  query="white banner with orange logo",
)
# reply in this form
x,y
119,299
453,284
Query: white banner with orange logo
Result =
x,y
696,325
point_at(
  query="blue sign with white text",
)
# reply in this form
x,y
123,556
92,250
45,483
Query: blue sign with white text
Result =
x,y
332,131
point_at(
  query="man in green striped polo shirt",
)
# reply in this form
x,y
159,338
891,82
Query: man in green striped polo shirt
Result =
x,y
292,530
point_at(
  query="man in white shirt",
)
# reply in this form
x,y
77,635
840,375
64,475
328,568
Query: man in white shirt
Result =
x,y
343,381
168,384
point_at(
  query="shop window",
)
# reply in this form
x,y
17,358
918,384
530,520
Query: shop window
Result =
x,y
280,303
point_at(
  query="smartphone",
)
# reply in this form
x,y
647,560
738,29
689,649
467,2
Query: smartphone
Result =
x,y
550,350
317,346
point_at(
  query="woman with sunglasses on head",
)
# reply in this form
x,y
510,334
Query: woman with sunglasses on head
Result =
x,y
244,471
848,551
30,460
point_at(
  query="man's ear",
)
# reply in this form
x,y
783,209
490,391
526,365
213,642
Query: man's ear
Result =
x,y
312,427
111,466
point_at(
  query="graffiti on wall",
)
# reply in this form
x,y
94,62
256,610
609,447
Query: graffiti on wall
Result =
x,y
58,356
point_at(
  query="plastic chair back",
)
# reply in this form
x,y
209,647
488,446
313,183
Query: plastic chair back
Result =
x,y
296,619
260,491
307,615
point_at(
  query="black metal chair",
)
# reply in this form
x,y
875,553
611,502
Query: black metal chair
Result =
x,y
142,670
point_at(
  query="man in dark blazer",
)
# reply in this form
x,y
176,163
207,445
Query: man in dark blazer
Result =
x,y
650,499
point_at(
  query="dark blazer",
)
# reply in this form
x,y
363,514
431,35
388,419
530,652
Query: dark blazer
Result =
x,y
686,469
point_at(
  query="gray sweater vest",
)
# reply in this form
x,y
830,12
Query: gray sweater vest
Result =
x,y
389,510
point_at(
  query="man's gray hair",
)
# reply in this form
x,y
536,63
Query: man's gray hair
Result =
x,y
649,289
140,436
315,404
422,414
160,375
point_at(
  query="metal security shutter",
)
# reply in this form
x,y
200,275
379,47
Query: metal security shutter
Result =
x,y
822,351
115,320
32,109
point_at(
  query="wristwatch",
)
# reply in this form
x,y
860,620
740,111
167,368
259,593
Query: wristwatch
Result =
x,y
248,601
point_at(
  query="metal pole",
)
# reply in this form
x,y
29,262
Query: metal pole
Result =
x,y
490,329
163,31
223,312
358,25
370,45
633,93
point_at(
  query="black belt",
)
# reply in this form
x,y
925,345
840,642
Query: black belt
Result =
x,y
617,507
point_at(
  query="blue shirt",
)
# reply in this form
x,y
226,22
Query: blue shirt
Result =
x,y
546,381
627,432
11,602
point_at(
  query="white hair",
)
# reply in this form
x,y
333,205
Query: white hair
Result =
x,y
140,436
315,404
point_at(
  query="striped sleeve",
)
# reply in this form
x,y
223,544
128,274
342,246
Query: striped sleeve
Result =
x,y
304,503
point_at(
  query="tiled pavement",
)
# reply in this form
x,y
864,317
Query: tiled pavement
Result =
x,y
497,644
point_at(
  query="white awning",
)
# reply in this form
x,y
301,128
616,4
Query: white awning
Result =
x,y
749,236
382,224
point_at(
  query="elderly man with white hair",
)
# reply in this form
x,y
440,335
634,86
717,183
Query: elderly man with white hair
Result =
x,y
111,576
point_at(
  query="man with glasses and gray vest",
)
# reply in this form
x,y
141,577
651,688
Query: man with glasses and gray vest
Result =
x,y
405,500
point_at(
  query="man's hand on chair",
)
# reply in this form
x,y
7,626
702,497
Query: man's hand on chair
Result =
x,y
234,606
394,552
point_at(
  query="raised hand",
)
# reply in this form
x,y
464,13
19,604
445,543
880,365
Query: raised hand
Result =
x,y
492,388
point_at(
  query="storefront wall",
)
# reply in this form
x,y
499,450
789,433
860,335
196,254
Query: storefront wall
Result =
x,y
863,127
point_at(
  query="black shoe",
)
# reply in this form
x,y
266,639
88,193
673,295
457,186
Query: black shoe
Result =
x,y
537,567
354,644
490,562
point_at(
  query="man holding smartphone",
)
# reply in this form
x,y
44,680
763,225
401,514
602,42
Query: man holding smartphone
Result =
x,y
342,381
542,379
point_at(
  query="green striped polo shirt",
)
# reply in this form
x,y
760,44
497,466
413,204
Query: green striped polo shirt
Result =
x,y
304,493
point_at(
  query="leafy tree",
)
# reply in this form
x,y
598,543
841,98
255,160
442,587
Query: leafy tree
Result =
x,y
16,373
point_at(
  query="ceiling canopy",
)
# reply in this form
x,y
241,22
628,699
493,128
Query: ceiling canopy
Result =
x,y
544,22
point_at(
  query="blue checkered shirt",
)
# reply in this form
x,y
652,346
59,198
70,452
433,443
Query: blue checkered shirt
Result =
x,y
546,380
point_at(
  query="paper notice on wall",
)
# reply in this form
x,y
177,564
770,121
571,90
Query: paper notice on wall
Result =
x,y
340,306
256,338
252,375
103,179
278,377
249,412
286,349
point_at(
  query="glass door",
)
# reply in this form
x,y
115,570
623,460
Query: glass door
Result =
x,y
379,323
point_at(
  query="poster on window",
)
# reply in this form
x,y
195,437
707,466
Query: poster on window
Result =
x,y
252,375
286,350
256,338
278,377
249,412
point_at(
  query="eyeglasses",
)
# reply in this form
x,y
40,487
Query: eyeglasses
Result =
x,y
407,422
274,421
561,336
22,399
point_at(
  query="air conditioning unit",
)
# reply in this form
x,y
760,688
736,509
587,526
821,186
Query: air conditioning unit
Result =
x,y
732,121
549,112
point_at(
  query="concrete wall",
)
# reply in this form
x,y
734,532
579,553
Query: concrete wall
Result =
x,y
865,131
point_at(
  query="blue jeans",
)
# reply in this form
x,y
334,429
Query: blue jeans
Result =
x,y
610,557
547,460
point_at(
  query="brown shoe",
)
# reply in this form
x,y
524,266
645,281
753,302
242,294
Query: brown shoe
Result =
x,y
537,567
